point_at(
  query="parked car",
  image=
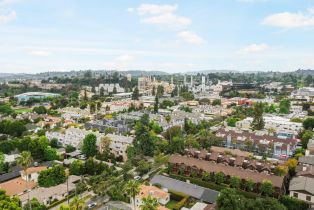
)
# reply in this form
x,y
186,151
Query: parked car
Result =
x,y
92,205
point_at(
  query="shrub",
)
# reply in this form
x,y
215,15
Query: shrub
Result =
x,y
180,204
293,204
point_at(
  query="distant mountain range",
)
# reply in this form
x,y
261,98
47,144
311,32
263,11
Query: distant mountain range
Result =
x,y
305,72
78,73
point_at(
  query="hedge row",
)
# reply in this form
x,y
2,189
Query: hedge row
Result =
x,y
60,201
179,196
181,203
211,185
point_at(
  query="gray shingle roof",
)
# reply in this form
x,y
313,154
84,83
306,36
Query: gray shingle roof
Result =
x,y
302,184
307,160
192,190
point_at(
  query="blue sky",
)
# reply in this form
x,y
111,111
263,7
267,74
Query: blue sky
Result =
x,y
173,36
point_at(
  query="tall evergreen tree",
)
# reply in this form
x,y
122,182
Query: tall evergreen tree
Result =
x,y
156,104
135,94
258,121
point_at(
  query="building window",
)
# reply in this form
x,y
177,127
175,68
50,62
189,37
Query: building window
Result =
x,y
308,198
295,195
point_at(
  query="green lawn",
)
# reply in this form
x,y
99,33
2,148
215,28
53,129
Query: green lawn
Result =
x,y
22,110
171,204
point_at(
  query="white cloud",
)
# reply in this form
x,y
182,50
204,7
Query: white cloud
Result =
x,y
155,9
130,9
252,1
290,20
169,20
190,37
161,15
39,53
121,62
7,17
254,48
311,10
6,2
125,58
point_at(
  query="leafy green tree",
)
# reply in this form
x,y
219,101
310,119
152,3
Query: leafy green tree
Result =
x,y
13,128
1,162
102,91
40,110
37,147
305,137
77,168
8,203
229,199
69,148
144,142
308,123
6,109
266,188
52,176
149,203
172,132
132,189
235,182
176,145
54,143
98,105
186,109
92,108
263,204
135,94
50,154
156,104
34,205
284,106
175,91
143,167
131,152
160,159
292,203
216,102
160,90
190,141
308,80
89,147
154,91
64,207
249,185
219,177
114,90
258,121
231,121
187,96
77,204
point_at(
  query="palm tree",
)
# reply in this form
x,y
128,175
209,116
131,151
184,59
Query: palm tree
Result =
x,y
77,204
132,188
24,160
149,203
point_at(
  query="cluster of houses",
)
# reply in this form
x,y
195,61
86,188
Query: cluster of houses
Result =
x,y
24,183
258,142
302,185
231,162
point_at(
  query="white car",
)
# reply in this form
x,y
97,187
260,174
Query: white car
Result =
x,y
137,178
92,205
